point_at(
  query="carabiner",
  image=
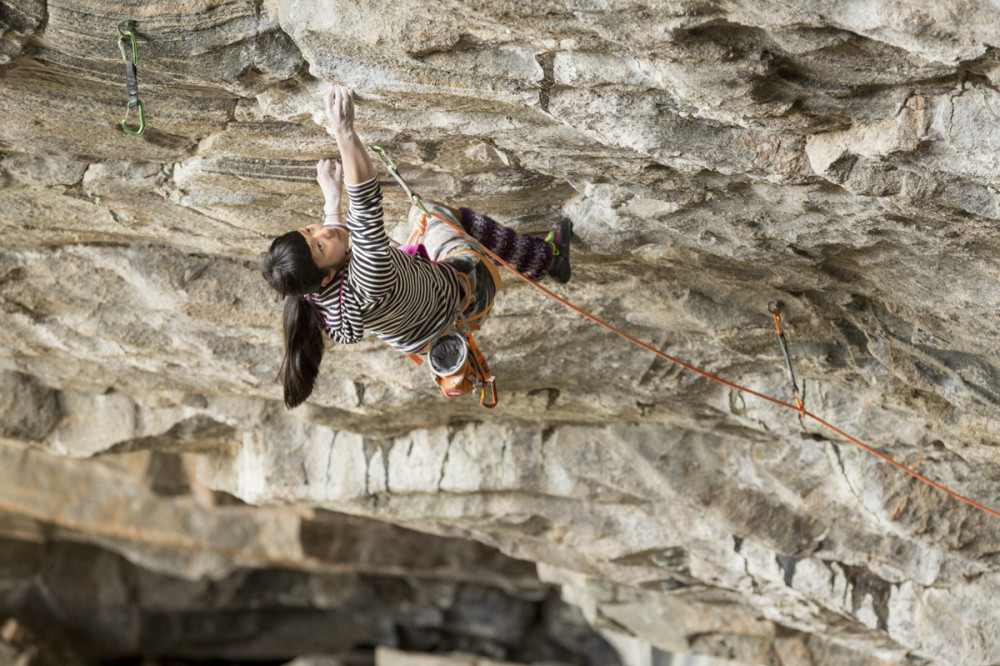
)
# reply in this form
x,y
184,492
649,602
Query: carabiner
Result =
x,y
124,32
384,157
142,119
493,389
419,204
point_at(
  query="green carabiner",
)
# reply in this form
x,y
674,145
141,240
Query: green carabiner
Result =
x,y
122,34
142,119
384,157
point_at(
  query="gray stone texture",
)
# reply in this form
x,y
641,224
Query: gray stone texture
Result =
x,y
837,157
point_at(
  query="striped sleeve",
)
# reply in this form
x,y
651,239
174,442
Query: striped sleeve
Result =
x,y
372,274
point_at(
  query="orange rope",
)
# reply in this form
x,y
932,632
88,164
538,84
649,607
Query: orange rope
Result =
x,y
797,408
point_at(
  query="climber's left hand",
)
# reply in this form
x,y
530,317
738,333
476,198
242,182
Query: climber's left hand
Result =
x,y
330,176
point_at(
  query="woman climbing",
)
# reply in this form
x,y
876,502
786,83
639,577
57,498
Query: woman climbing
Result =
x,y
346,279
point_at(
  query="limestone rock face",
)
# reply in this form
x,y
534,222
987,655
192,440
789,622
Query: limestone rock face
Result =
x,y
714,157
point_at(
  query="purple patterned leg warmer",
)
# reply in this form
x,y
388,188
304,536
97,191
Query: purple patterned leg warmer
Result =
x,y
529,255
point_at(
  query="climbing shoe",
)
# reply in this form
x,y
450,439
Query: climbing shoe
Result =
x,y
558,238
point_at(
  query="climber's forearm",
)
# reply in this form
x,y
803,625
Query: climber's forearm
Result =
x,y
358,167
331,206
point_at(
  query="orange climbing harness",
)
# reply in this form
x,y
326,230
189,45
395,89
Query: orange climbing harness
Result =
x,y
464,368
798,407
467,369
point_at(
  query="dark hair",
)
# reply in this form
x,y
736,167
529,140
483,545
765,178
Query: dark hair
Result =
x,y
290,270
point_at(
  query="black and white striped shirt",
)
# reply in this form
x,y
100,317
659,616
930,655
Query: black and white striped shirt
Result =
x,y
403,299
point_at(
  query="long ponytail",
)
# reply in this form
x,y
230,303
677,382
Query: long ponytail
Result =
x,y
303,351
290,270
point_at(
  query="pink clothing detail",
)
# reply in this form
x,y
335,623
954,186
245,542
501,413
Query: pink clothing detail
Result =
x,y
418,249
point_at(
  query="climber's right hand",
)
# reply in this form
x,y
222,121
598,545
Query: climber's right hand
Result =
x,y
339,109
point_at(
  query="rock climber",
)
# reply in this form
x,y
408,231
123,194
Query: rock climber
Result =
x,y
347,277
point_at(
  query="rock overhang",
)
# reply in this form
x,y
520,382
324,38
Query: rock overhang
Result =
x,y
839,160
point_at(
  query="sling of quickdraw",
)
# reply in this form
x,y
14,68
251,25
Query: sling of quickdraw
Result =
x,y
485,378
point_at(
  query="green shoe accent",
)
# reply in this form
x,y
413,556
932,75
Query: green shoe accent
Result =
x,y
558,240
551,240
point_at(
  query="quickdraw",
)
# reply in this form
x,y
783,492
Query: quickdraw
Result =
x,y
131,80
473,372
773,307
